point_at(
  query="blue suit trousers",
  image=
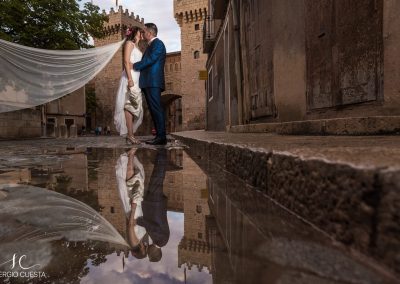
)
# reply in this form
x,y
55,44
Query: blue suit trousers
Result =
x,y
153,98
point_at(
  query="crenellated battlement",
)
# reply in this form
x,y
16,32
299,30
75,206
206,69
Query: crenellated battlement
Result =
x,y
186,11
119,20
125,13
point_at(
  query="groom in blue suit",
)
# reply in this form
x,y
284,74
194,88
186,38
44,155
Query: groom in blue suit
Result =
x,y
151,80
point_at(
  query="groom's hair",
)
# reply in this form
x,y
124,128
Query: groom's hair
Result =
x,y
152,27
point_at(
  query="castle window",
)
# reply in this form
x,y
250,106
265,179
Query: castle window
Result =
x,y
196,27
196,54
200,235
198,209
176,67
112,210
170,67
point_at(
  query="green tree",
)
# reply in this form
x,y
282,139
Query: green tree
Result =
x,y
50,24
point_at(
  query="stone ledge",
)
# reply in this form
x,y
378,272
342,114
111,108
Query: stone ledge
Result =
x,y
356,205
376,125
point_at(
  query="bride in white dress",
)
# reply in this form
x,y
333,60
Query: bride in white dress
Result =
x,y
128,114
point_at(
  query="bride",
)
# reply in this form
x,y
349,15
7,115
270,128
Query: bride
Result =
x,y
128,106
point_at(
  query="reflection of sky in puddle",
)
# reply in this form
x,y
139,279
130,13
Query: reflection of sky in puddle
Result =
x,y
144,271
245,238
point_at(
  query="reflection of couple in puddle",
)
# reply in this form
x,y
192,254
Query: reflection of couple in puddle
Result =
x,y
145,208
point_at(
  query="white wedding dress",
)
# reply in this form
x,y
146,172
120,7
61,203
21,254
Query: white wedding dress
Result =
x,y
123,98
125,189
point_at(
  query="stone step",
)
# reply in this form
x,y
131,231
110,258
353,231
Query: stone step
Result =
x,y
348,187
374,125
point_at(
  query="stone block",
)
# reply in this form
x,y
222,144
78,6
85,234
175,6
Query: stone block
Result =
x,y
388,220
363,125
337,198
63,131
250,165
217,154
73,131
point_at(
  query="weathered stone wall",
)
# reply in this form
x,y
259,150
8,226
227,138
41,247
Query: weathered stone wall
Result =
x,y
72,106
322,67
189,14
20,124
173,74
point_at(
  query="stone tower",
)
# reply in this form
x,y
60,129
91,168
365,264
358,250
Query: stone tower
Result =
x,y
190,16
194,249
107,81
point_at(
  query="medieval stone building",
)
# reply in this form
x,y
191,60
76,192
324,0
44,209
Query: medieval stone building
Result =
x,y
316,67
190,16
183,98
172,96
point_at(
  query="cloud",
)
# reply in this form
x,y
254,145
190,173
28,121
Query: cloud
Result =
x,y
155,11
144,271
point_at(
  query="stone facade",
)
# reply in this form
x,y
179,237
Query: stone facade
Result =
x,y
310,63
69,110
190,16
24,123
173,74
27,123
172,96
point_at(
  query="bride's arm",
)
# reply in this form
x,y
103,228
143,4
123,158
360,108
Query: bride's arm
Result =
x,y
127,61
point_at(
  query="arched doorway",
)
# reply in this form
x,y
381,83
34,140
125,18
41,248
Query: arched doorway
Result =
x,y
173,111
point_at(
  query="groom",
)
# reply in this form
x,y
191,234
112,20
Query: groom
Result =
x,y
151,80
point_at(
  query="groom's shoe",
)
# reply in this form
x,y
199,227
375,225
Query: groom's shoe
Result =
x,y
151,140
157,141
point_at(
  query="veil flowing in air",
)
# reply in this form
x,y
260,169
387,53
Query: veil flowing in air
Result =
x,y
30,76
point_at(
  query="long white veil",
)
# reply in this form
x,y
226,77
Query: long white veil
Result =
x,y
30,76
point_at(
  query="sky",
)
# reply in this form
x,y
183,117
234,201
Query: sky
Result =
x,y
159,12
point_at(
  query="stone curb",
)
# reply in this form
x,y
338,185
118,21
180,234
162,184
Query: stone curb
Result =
x,y
357,206
376,125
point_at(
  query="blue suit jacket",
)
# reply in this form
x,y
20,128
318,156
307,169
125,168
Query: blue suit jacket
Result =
x,y
151,66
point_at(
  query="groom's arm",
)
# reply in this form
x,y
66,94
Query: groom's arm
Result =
x,y
151,57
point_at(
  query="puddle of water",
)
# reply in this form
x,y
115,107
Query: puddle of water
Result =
x,y
67,218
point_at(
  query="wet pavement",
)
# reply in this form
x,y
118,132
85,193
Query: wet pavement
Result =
x,y
66,217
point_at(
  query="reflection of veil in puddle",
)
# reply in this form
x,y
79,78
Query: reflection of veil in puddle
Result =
x,y
31,218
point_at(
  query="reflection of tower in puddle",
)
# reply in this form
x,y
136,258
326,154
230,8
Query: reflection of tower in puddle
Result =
x,y
102,180
194,248
174,180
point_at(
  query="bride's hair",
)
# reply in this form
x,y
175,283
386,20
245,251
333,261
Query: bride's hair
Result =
x,y
131,33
